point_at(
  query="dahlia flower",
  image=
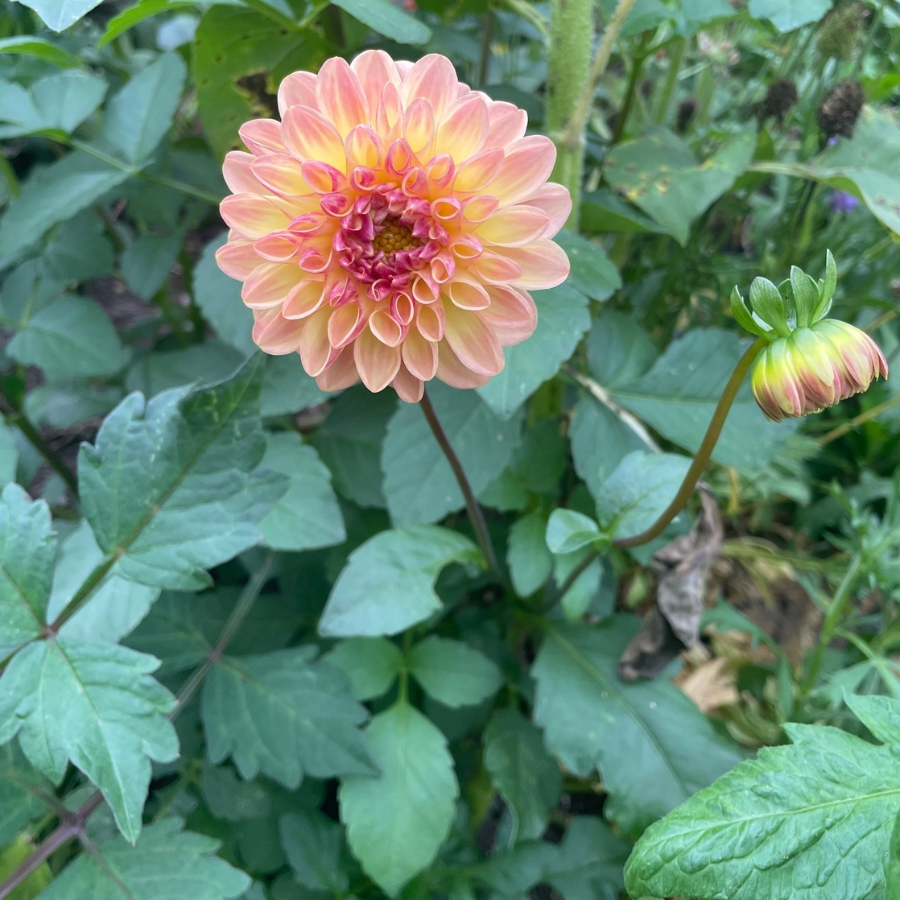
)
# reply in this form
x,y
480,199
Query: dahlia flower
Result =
x,y
809,362
390,226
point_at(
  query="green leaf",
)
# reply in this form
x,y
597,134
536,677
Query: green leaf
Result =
x,y
619,350
79,249
454,673
146,262
678,395
96,706
568,530
169,485
116,605
371,664
140,115
232,44
526,777
806,295
136,14
196,364
27,554
56,193
653,747
350,441
388,582
9,453
385,18
805,821
61,101
786,15
316,851
72,337
29,45
767,302
20,793
232,799
591,271
308,515
604,211
397,822
659,174
563,318
418,482
60,14
638,491
530,562
219,299
587,865
288,389
892,866
165,864
881,715
284,715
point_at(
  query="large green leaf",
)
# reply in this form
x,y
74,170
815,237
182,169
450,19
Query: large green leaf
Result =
x,y
72,337
308,515
371,664
527,778
61,101
96,706
591,271
452,672
165,864
397,822
418,482
587,865
21,792
170,487
60,14
563,318
29,45
653,747
234,48
810,820
387,19
27,554
54,194
786,15
388,582
659,174
147,261
284,715
677,397
316,850
139,115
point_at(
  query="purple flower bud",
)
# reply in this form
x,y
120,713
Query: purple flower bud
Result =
x,y
842,202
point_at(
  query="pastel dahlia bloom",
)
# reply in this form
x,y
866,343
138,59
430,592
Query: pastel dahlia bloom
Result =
x,y
390,226
809,362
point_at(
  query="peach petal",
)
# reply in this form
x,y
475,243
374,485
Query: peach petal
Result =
x,y
385,328
316,353
466,247
375,70
424,290
477,209
389,112
280,172
340,374
446,208
506,123
237,259
478,170
527,165
238,173
463,132
467,294
432,78
341,98
543,264
276,247
420,356
273,333
262,136
377,363
269,285
473,341
308,135
364,147
514,226
409,388
430,321
512,315
323,178
345,324
555,201
419,128
441,171
253,216
494,269
305,299
297,89
452,371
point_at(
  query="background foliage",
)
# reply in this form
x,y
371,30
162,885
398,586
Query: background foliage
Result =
x,y
249,645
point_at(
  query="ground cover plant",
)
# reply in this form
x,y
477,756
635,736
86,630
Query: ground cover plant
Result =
x,y
548,547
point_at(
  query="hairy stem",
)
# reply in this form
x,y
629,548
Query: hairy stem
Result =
x,y
703,453
476,515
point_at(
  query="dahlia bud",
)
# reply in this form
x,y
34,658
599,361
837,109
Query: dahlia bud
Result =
x,y
780,97
840,109
810,362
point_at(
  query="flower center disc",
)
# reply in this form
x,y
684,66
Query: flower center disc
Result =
x,y
394,237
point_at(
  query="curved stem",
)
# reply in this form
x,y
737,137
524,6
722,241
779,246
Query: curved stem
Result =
x,y
703,453
476,516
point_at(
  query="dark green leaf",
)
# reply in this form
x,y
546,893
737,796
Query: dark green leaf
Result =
x,y
21,791
385,18
371,664
587,865
61,101
29,45
568,530
146,262
230,798
591,271
60,14
454,673
529,559
786,15
315,848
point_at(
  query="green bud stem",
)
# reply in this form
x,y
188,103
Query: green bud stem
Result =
x,y
703,453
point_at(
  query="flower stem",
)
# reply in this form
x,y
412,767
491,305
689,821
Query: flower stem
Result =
x,y
476,515
854,423
703,453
